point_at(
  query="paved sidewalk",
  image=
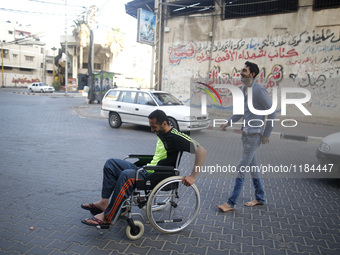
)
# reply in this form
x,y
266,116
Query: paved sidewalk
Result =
x,y
52,152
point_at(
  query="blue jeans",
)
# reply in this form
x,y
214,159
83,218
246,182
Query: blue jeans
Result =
x,y
118,183
248,161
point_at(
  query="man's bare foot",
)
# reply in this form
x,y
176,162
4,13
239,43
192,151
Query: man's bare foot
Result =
x,y
225,207
252,203
97,207
101,217
97,221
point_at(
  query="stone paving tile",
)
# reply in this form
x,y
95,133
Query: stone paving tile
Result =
x,y
137,249
78,249
37,250
154,251
20,247
194,249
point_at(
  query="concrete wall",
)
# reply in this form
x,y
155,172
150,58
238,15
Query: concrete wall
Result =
x,y
300,50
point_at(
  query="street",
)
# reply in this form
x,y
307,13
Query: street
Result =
x,y
51,163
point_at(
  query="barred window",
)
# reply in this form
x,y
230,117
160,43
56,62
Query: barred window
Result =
x,y
249,8
179,8
325,4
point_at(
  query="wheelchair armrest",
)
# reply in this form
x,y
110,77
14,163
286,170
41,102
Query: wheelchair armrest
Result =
x,y
143,159
159,168
140,156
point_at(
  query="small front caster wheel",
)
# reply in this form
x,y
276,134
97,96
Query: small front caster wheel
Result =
x,y
139,231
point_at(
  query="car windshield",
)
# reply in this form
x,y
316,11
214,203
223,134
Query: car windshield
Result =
x,y
166,99
42,84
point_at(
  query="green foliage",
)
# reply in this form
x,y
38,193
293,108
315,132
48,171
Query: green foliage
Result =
x,y
57,86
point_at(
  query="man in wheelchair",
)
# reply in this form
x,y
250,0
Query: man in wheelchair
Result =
x,y
119,175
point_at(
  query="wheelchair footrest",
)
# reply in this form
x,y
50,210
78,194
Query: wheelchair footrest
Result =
x,y
167,221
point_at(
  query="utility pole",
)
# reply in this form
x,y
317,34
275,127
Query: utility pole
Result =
x,y
90,69
158,44
91,15
54,49
66,61
2,64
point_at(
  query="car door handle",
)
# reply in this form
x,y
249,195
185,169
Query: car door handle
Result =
x,y
137,109
119,106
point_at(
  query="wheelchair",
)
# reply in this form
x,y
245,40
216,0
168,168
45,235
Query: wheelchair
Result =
x,y
170,206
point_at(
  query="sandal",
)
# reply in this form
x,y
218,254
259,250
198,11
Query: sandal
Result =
x,y
92,208
98,224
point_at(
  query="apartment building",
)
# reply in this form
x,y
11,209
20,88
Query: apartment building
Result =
x,y
24,57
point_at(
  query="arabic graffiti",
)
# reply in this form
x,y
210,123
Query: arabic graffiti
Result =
x,y
24,80
324,89
273,79
268,48
260,43
216,76
248,55
307,59
176,54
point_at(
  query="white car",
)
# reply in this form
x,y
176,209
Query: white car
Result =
x,y
134,106
329,152
40,87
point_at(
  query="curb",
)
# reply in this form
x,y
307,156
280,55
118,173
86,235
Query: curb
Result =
x,y
299,138
70,94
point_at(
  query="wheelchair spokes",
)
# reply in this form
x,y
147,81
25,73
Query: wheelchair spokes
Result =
x,y
180,211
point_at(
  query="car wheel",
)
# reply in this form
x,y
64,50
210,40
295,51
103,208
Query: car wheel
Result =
x,y
42,91
114,120
173,123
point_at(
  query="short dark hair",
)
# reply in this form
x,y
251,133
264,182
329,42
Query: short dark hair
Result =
x,y
253,68
160,116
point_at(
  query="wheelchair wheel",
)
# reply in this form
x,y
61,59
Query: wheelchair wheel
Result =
x,y
137,234
180,211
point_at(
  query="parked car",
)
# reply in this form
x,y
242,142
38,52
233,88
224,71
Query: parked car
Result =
x,y
40,87
329,152
134,106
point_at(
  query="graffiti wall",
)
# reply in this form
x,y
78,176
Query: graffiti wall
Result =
x,y
20,80
309,59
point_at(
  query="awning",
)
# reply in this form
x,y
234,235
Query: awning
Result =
x,y
132,7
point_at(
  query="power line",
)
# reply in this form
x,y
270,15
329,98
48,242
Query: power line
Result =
x,y
30,12
44,2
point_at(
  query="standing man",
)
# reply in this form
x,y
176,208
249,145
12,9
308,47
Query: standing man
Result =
x,y
255,131
120,175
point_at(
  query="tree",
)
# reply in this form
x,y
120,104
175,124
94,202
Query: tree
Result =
x,y
82,35
115,41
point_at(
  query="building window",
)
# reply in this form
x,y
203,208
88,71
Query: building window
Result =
x,y
179,8
29,58
85,65
10,32
5,53
249,8
15,55
325,4
97,66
